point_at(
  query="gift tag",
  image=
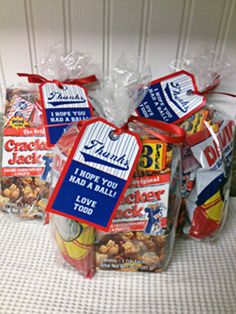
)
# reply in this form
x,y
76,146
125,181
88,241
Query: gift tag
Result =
x,y
96,174
63,105
171,99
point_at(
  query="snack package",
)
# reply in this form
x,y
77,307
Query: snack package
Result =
x,y
206,164
25,157
74,240
142,234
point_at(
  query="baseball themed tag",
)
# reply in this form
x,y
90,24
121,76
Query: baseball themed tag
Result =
x,y
96,174
62,104
172,98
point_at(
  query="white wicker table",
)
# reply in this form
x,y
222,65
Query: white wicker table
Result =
x,y
200,279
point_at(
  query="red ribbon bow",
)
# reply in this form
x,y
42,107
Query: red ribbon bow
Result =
x,y
36,78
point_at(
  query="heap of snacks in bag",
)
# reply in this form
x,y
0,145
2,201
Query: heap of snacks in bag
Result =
x,y
207,162
142,234
207,152
26,159
25,156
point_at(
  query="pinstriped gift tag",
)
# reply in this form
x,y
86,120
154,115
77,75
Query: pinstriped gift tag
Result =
x,y
96,174
61,105
172,98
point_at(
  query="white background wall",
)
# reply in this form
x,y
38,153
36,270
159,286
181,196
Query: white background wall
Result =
x,y
157,30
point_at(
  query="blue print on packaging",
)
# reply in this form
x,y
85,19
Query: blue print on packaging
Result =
x,y
64,115
88,193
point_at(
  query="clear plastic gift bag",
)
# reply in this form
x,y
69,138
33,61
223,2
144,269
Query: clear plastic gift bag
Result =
x,y
207,153
141,236
75,240
207,163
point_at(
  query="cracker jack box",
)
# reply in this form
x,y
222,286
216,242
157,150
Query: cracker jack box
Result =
x,y
25,156
142,233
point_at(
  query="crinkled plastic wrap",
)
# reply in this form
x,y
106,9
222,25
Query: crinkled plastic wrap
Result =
x,y
24,154
55,64
142,234
207,162
122,90
208,67
74,240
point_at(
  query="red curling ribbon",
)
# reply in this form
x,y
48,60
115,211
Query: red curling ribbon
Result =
x,y
83,81
224,93
209,89
177,134
33,78
214,84
212,93
36,78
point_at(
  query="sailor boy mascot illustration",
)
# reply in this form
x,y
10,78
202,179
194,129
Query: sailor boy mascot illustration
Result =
x,y
154,214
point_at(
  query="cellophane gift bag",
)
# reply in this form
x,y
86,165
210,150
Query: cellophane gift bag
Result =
x,y
207,153
141,236
207,165
73,240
